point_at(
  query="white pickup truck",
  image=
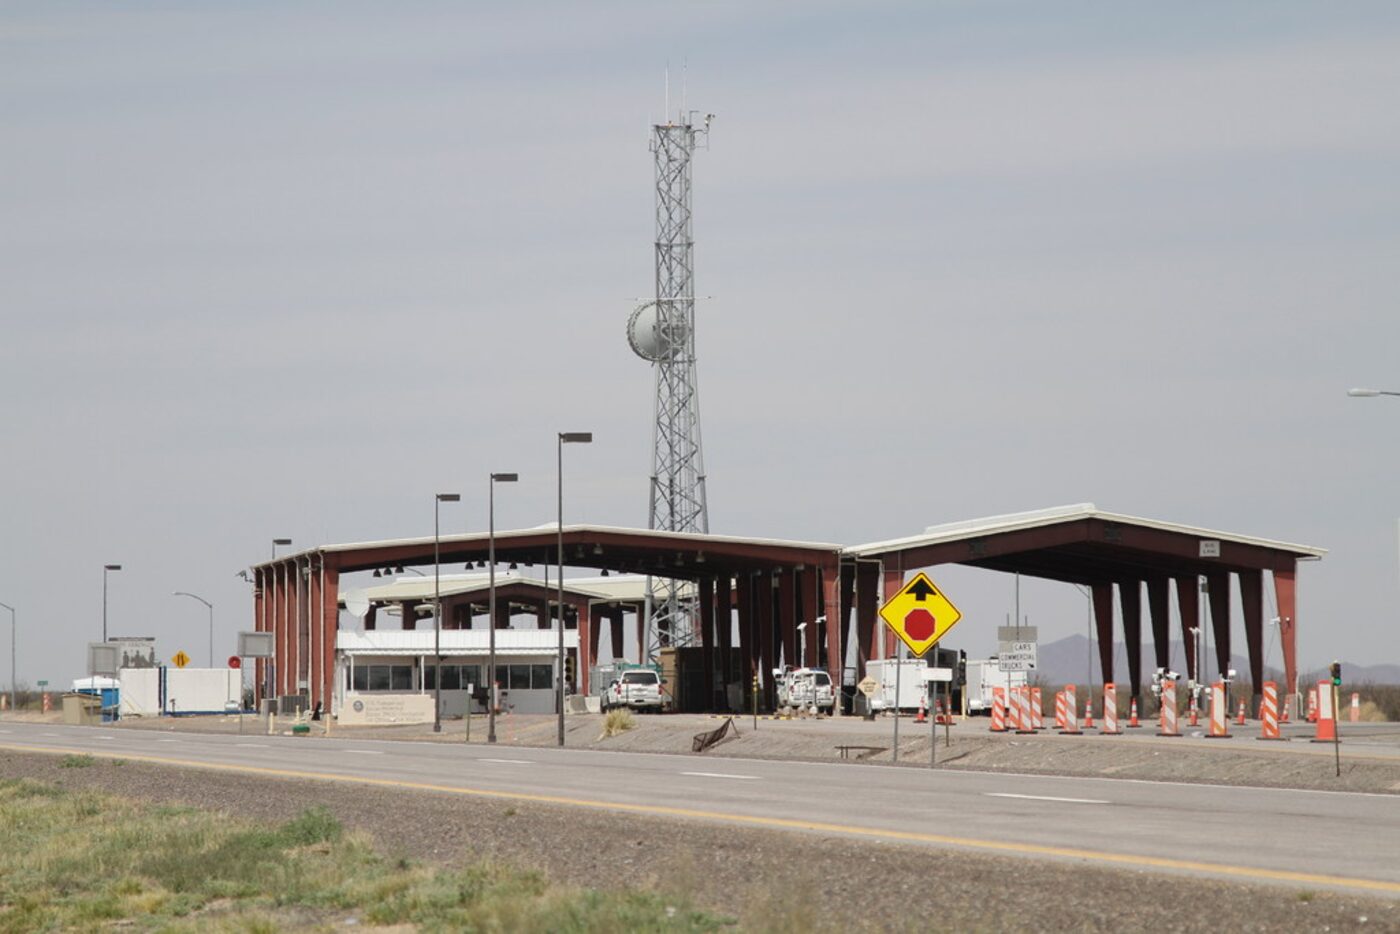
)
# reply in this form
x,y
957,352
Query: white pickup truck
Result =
x,y
638,688
804,688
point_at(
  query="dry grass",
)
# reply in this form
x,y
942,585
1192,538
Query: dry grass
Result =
x,y
617,721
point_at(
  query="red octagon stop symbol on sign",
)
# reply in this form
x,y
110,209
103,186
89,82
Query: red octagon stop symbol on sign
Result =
x,y
920,625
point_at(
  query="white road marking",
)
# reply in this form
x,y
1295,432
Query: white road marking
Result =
x,y
48,734
721,775
105,738
252,745
7,732
510,761
366,752
167,740
1007,794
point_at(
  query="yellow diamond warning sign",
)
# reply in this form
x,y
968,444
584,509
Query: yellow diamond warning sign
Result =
x,y
919,614
180,659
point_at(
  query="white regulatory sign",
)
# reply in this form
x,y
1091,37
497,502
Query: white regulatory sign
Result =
x,y
1016,661
938,674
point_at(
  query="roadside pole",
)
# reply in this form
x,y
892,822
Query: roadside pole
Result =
x,y
932,726
755,697
898,658
948,715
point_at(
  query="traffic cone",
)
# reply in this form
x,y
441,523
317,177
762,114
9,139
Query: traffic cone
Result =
x,y
1312,705
923,711
1132,715
1193,713
1089,712
1239,721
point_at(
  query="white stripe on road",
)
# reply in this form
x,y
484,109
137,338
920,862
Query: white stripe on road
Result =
x,y
365,752
510,761
719,775
167,740
252,745
1007,794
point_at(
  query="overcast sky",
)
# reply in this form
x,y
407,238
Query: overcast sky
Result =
x,y
279,269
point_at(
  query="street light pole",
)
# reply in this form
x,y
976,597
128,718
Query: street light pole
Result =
x,y
1369,393
276,542
437,609
12,653
105,569
565,437
182,593
491,600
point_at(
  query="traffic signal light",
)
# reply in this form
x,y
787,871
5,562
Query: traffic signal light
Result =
x,y
568,669
1337,674
962,667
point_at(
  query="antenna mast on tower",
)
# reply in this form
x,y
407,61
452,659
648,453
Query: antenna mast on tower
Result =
x,y
663,332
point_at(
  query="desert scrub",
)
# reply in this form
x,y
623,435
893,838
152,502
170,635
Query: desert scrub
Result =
x,y
78,861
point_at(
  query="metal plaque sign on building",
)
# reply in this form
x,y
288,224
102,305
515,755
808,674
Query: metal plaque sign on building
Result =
x,y
255,644
919,614
1017,634
1210,548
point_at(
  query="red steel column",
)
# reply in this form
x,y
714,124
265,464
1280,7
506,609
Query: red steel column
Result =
x,y
596,612
1159,610
811,594
893,581
330,598
787,615
1252,606
1219,583
867,613
1286,596
314,656
763,606
259,625
748,632
834,606
724,620
1103,626
1188,602
283,661
1130,602
707,640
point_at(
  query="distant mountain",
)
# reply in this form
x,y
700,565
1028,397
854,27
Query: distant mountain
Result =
x,y
1068,659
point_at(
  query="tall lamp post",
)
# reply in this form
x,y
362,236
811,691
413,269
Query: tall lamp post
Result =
x,y
491,601
437,609
12,653
105,569
1368,393
565,437
183,593
276,542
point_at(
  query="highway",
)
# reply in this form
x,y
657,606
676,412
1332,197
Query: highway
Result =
x,y
1302,838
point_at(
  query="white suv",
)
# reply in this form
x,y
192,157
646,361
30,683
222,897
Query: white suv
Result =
x,y
804,688
638,688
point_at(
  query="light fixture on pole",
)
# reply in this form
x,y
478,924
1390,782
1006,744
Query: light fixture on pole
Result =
x,y
105,569
1369,393
565,437
437,609
12,653
183,593
491,601
276,542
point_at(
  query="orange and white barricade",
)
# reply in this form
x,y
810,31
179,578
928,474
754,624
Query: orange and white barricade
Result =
x,y
1326,716
1025,722
1355,707
1110,710
1312,704
1060,709
47,704
4,701
1166,726
1133,723
1219,728
1037,712
1071,727
998,710
1268,712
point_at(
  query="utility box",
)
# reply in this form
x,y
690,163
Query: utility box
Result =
x,y
82,709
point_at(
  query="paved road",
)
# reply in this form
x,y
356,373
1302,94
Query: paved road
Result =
x,y
1304,838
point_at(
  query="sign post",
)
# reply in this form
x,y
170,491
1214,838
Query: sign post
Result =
x,y
920,615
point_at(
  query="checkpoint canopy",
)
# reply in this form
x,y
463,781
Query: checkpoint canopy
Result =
x,y
1113,555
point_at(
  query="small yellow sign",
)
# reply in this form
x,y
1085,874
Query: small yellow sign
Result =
x,y
919,614
180,659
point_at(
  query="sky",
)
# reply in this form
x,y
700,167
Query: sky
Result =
x,y
273,269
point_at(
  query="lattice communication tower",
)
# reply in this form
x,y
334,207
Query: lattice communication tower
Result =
x,y
663,332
